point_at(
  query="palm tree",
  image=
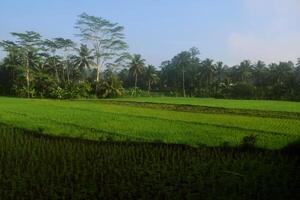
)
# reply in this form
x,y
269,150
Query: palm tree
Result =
x,y
111,86
53,64
219,71
260,72
65,45
298,62
245,71
84,59
136,67
53,60
27,44
151,76
12,62
209,70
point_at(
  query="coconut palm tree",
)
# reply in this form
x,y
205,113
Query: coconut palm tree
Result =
x,y
84,59
136,67
151,76
245,71
53,60
208,70
53,64
110,86
65,45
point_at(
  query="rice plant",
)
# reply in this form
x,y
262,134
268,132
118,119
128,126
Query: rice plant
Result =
x,y
34,166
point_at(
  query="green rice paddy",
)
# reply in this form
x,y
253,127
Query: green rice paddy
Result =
x,y
110,120
135,149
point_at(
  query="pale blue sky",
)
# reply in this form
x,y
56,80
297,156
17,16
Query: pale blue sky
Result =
x,y
226,30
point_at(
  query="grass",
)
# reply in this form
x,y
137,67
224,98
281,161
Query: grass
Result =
x,y
127,149
102,120
265,105
34,166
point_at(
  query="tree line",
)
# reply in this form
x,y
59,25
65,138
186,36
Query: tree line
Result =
x,y
100,66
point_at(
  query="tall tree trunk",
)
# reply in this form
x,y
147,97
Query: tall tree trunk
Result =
x,y
28,82
98,70
27,78
56,75
56,71
68,74
98,74
183,82
149,87
135,83
63,75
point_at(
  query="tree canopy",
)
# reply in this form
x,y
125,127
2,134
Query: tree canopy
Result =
x,y
101,65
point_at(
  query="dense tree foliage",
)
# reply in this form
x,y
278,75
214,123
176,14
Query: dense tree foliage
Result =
x,y
101,66
57,68
106,39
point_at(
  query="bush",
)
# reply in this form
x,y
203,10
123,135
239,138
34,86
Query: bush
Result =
x,y
78,90
136,92
249,141
84,89
106,90
71,91
23,92
44,84
57,93
110,87
243,91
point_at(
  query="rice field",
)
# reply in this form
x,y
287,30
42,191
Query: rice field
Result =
x,y
126,149
266,105
34,166
108,120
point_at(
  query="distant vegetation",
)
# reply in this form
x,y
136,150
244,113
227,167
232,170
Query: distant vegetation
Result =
x,y
102,67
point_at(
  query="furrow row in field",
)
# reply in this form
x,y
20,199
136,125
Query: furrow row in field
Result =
x,y
185,132
136,117
258,124
81,130
206,109
104,121
263,105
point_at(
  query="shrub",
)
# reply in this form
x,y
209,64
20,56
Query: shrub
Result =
x,y
136,92
84,89
23,92
249,141
110,87
57,93
71,91
44,84
243,91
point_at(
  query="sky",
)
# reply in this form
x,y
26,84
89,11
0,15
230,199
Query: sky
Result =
x,y
223,30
